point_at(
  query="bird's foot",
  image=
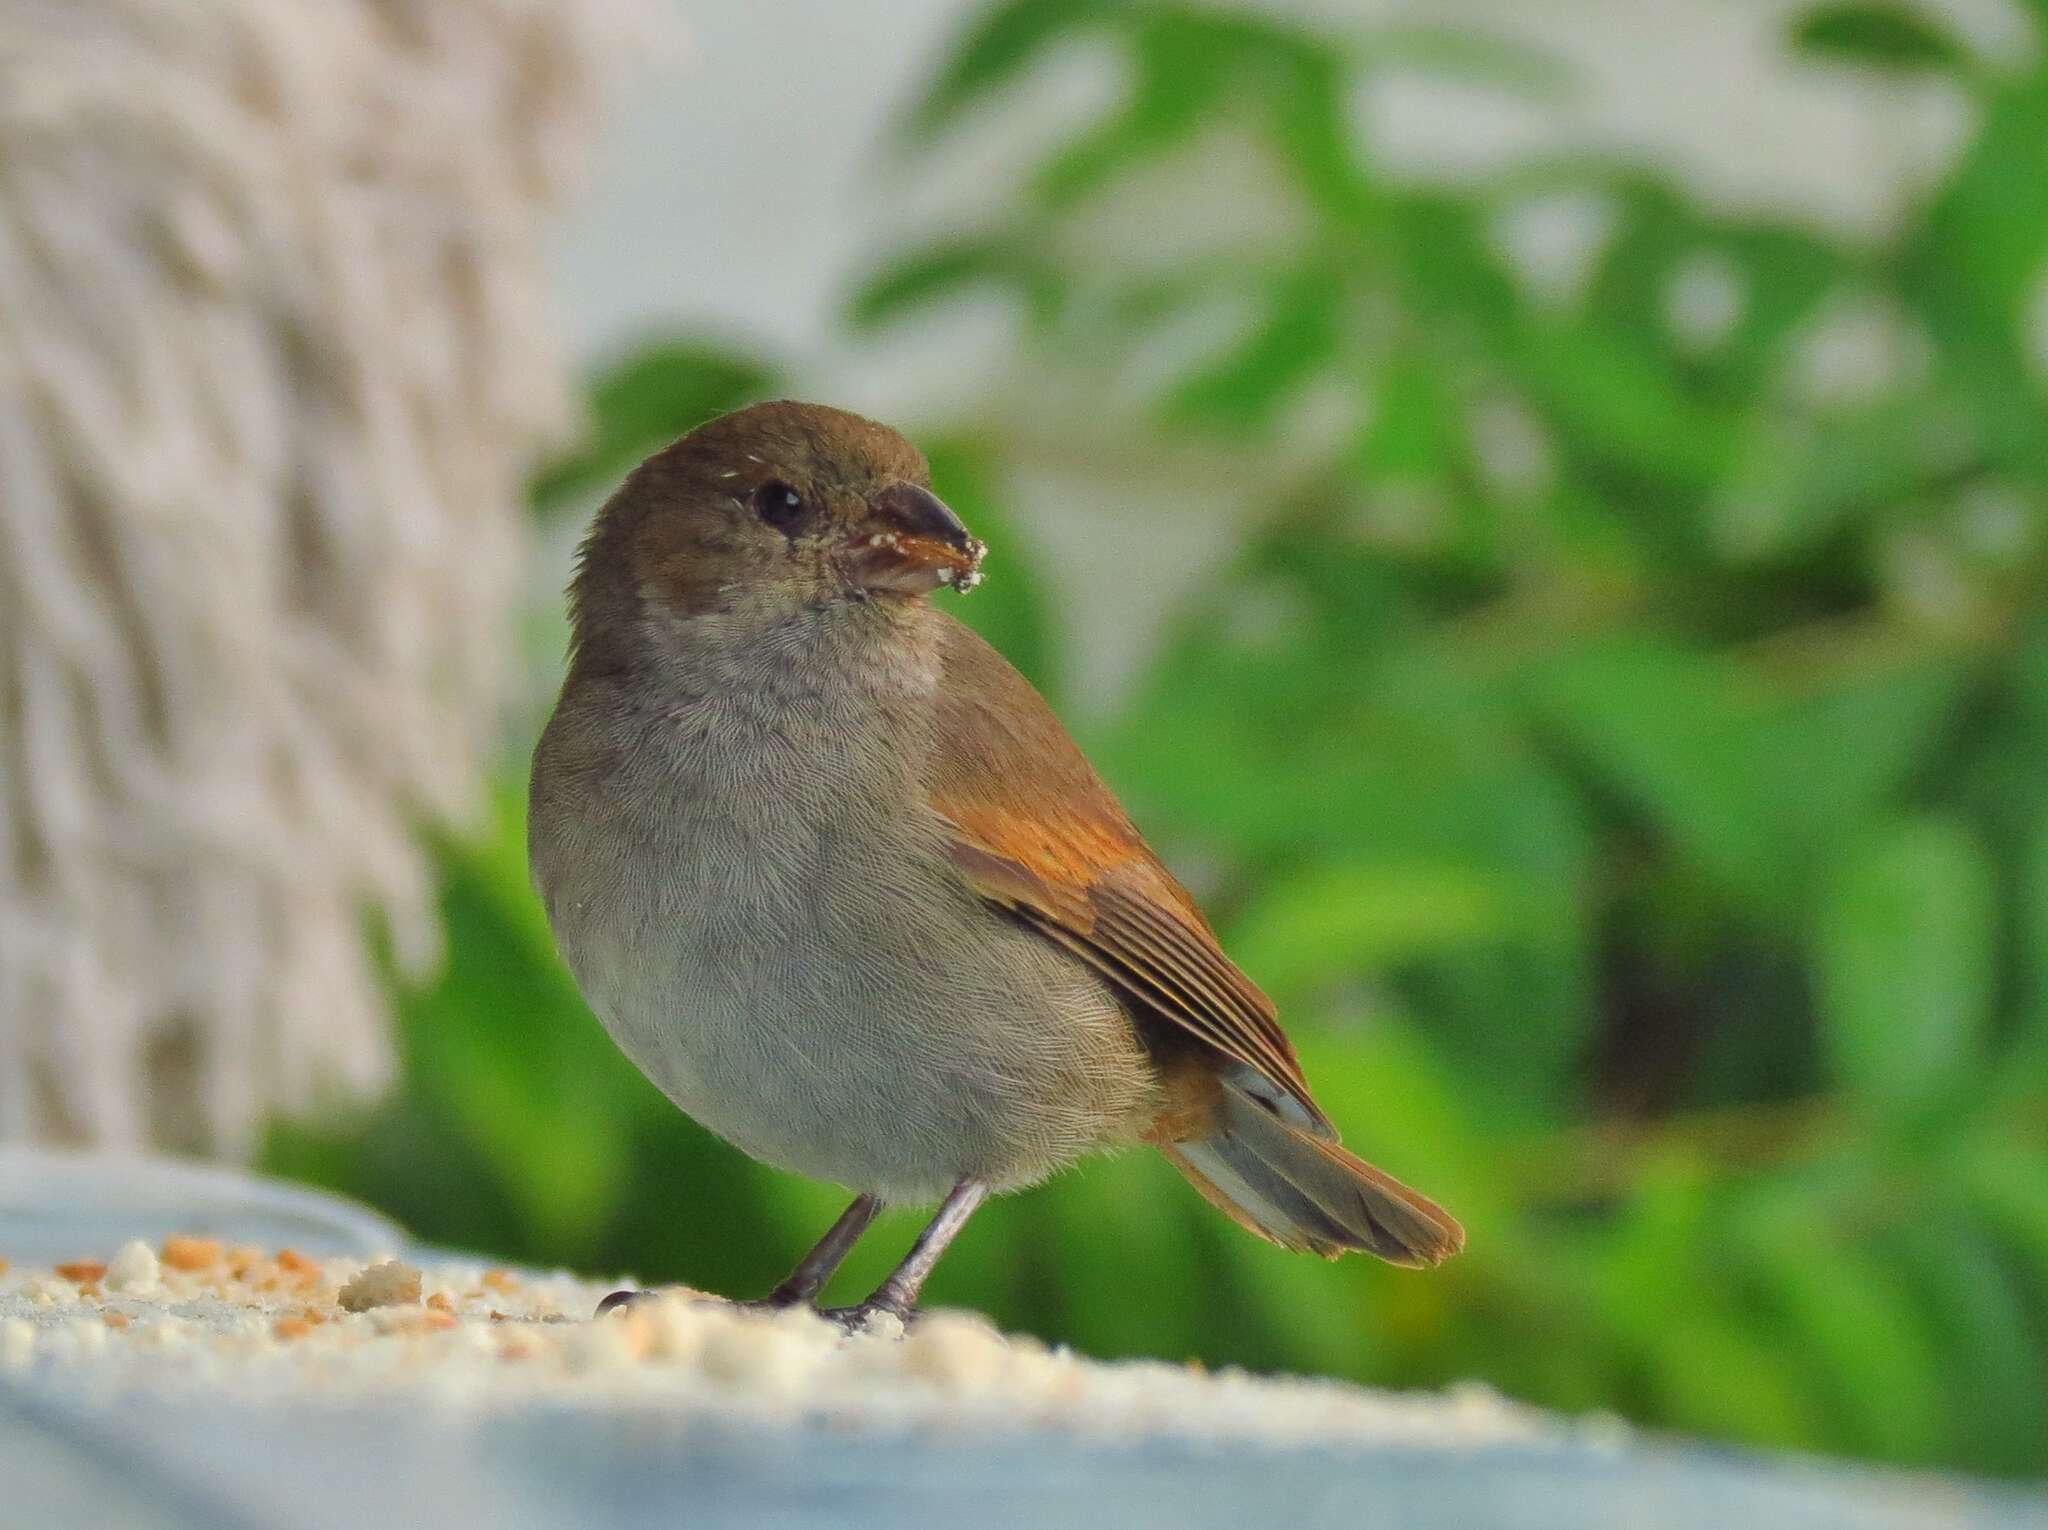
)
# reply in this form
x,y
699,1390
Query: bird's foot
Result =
x,y
876,1316
774,1301
619,1300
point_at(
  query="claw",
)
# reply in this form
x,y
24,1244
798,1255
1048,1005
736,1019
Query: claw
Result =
x,y
861,1319
776,1301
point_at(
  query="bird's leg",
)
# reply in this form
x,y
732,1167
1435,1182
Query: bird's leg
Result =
x,y
898,1294
816,1267
809,1277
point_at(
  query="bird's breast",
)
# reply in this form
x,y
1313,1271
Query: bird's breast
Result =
x,y
753,897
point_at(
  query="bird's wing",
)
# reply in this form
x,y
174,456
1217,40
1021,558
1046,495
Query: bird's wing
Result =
x,y
1032,828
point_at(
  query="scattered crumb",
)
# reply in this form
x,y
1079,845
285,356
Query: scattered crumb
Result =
x,y
494,1339
134,1270
408,1319
389,1284
967,578
192,1253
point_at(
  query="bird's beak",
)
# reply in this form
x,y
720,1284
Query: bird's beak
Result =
x,y
911,543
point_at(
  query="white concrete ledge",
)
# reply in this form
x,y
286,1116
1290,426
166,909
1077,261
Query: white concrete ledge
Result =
x,y
208,1380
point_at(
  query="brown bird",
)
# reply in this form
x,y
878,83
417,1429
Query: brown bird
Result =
x,y
835,878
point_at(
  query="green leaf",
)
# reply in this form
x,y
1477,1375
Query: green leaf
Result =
x,y
1003,43
1851,1314
1353,917
1787,272
1678,733
1311,129
1470,57
1835,757
1245,389
1616,400
2030,1046
1995,1392
933,275
1453,274
2004,1186
1157,1240
1713,1372
643,403
1009,606
1898,39
1801,479
1651,1252
1974,265
1315,1317
1905,959
1417,427
1184,64
1706,1365
502,1040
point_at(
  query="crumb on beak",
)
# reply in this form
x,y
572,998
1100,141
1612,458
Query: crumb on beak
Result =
x,y
965,579
910,563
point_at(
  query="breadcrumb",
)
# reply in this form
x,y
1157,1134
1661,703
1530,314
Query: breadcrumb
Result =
x,y
285,1326
390,1284
192,1254
134,1270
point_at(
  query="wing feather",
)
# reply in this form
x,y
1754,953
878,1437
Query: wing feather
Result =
x,y
1032,828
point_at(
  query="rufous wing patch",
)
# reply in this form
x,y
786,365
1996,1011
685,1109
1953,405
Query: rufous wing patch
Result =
x,y
1032,828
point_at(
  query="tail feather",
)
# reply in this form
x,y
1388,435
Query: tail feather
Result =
x,y
1305,1192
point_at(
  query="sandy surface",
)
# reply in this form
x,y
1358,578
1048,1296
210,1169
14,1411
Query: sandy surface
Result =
x,y
260,1324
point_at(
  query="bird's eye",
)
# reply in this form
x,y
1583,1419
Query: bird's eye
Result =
x,y
779,505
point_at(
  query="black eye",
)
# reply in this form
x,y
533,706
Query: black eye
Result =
x,y
779,505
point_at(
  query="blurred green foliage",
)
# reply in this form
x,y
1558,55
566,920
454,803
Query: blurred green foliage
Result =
x,y
1619,742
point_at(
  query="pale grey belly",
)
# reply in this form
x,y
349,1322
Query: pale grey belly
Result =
x,y
860,1020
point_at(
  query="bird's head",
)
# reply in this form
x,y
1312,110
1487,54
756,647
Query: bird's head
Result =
x,y
768,511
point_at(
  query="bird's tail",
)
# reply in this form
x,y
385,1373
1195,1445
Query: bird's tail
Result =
x,y
1306,1192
